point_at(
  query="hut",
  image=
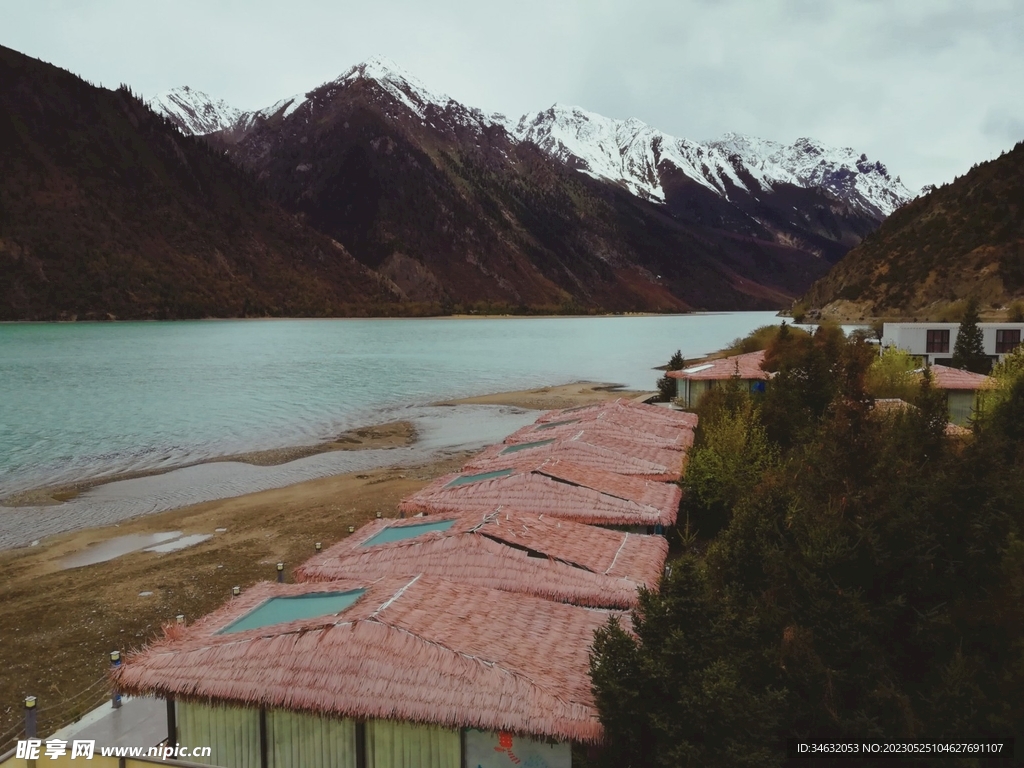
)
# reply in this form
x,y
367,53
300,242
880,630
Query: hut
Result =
x,y
962,390
392,673
530,554
693,382
561,489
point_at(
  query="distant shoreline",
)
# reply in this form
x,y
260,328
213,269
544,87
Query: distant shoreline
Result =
x,y
461,316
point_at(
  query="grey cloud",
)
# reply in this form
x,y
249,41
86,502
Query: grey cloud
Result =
x,y
1003,126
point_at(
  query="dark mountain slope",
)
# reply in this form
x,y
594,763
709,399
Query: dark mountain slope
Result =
x,y
448,205
106,209
964,239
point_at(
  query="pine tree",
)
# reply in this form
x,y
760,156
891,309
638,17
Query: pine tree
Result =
x,y
666,384
969,351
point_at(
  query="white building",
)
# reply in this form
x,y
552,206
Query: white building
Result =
x,y
934,342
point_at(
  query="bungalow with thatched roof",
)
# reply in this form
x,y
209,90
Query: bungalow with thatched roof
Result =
x,y
962,390
531,554
693,382
394,673
556,488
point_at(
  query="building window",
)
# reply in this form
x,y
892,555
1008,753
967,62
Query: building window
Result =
x,y
1007,340
938,341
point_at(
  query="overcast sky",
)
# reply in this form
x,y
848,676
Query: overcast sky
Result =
x,y
929,87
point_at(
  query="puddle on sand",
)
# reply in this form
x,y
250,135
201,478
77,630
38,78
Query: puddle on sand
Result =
x,y
182,543
115,547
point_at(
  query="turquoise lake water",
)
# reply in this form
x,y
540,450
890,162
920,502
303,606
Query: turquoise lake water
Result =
x,y
88,398
79,400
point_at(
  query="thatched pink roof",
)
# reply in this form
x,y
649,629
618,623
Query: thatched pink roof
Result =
x,y
631,487
561,489
418,650
658,436
532,554
626,413
746,366
596,451
945,377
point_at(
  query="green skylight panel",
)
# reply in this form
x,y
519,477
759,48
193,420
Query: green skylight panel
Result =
x,y
524,446
400,532
278,610
467,479
551,424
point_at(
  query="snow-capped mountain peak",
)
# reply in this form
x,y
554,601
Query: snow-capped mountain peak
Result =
x,y
808,162
627,152
633,154
397,82
194,111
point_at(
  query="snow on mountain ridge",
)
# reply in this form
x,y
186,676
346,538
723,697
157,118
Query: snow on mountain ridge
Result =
x,y
194,111
627,152
631,153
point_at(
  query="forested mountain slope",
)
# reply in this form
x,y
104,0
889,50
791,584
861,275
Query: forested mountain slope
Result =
x,y
107,210
964,239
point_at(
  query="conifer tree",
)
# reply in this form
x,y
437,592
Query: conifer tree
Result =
x,y
969,351
666,384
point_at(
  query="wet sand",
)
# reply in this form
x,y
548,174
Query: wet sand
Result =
x,y
550,398
58,625
394,434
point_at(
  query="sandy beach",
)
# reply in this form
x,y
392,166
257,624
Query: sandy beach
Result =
x,y
57,626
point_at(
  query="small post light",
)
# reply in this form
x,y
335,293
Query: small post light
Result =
x,y
180,619
236,591
351,529
115,662
30,717
379,515
280,573
318,546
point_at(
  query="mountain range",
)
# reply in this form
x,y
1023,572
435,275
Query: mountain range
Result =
x,y
557,208
398,199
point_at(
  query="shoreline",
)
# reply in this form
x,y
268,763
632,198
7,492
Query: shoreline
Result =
x,y
365,440
392,434
73,617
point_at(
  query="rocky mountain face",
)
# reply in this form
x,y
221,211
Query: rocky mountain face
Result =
x,y
107,210
960,240
558,208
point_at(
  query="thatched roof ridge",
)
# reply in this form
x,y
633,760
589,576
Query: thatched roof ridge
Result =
x,y
746,367
627,412
949,378
531,554
417,650
531,490
596,451
656,435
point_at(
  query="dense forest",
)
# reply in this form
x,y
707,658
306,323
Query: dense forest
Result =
x,y
848,572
